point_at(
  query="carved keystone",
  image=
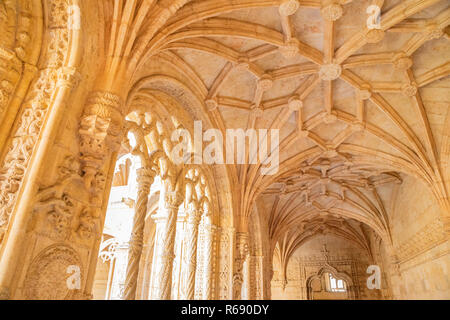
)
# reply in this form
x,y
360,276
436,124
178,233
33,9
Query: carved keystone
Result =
x,y
265,83
295,104
288,8
402,62
290,49
211,104
330,71
257,111
409,89
332,12
374,35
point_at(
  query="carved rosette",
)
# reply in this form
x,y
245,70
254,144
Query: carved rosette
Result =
x,y
48,275
374,35
211,104
256,111
409,89
365,92
433,31
332,12
403,62
295,104
265,83
289,7
290,49
330,71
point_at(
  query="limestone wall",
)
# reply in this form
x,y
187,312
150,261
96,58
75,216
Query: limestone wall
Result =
x,y
420,244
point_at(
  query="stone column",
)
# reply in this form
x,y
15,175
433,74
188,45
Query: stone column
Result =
x,y
145,179
208,262
241,256
190,260
169,203
246,283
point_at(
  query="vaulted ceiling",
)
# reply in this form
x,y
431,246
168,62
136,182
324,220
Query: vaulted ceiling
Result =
x,y
357,107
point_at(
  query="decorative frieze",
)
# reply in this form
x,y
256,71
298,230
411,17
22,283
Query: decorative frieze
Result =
x,y
424,240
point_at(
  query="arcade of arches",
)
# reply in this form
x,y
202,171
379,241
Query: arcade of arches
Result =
x,y
93,204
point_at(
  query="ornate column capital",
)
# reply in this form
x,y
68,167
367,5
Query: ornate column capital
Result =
x,y
242,243
173,200
100,131
145,177
194,216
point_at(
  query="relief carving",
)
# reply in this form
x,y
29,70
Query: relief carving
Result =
x,y
47,276
64,211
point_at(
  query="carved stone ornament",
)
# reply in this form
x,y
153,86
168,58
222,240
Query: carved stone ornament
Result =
x,y
48,275
290,49
332,12
330,71
211,104
409,89
374,35
289,7
65,210
403,62
295,104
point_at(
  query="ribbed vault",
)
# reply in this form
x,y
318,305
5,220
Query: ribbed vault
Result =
x,y
347,99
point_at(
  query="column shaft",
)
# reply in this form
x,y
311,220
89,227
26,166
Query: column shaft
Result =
x,y
137,235
191,254
208,263
169,204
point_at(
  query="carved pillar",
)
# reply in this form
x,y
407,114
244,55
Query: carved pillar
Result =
x,y
168,209
247,281
178,276
208,262
190,260
26,155
145,179
101,132
241,256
